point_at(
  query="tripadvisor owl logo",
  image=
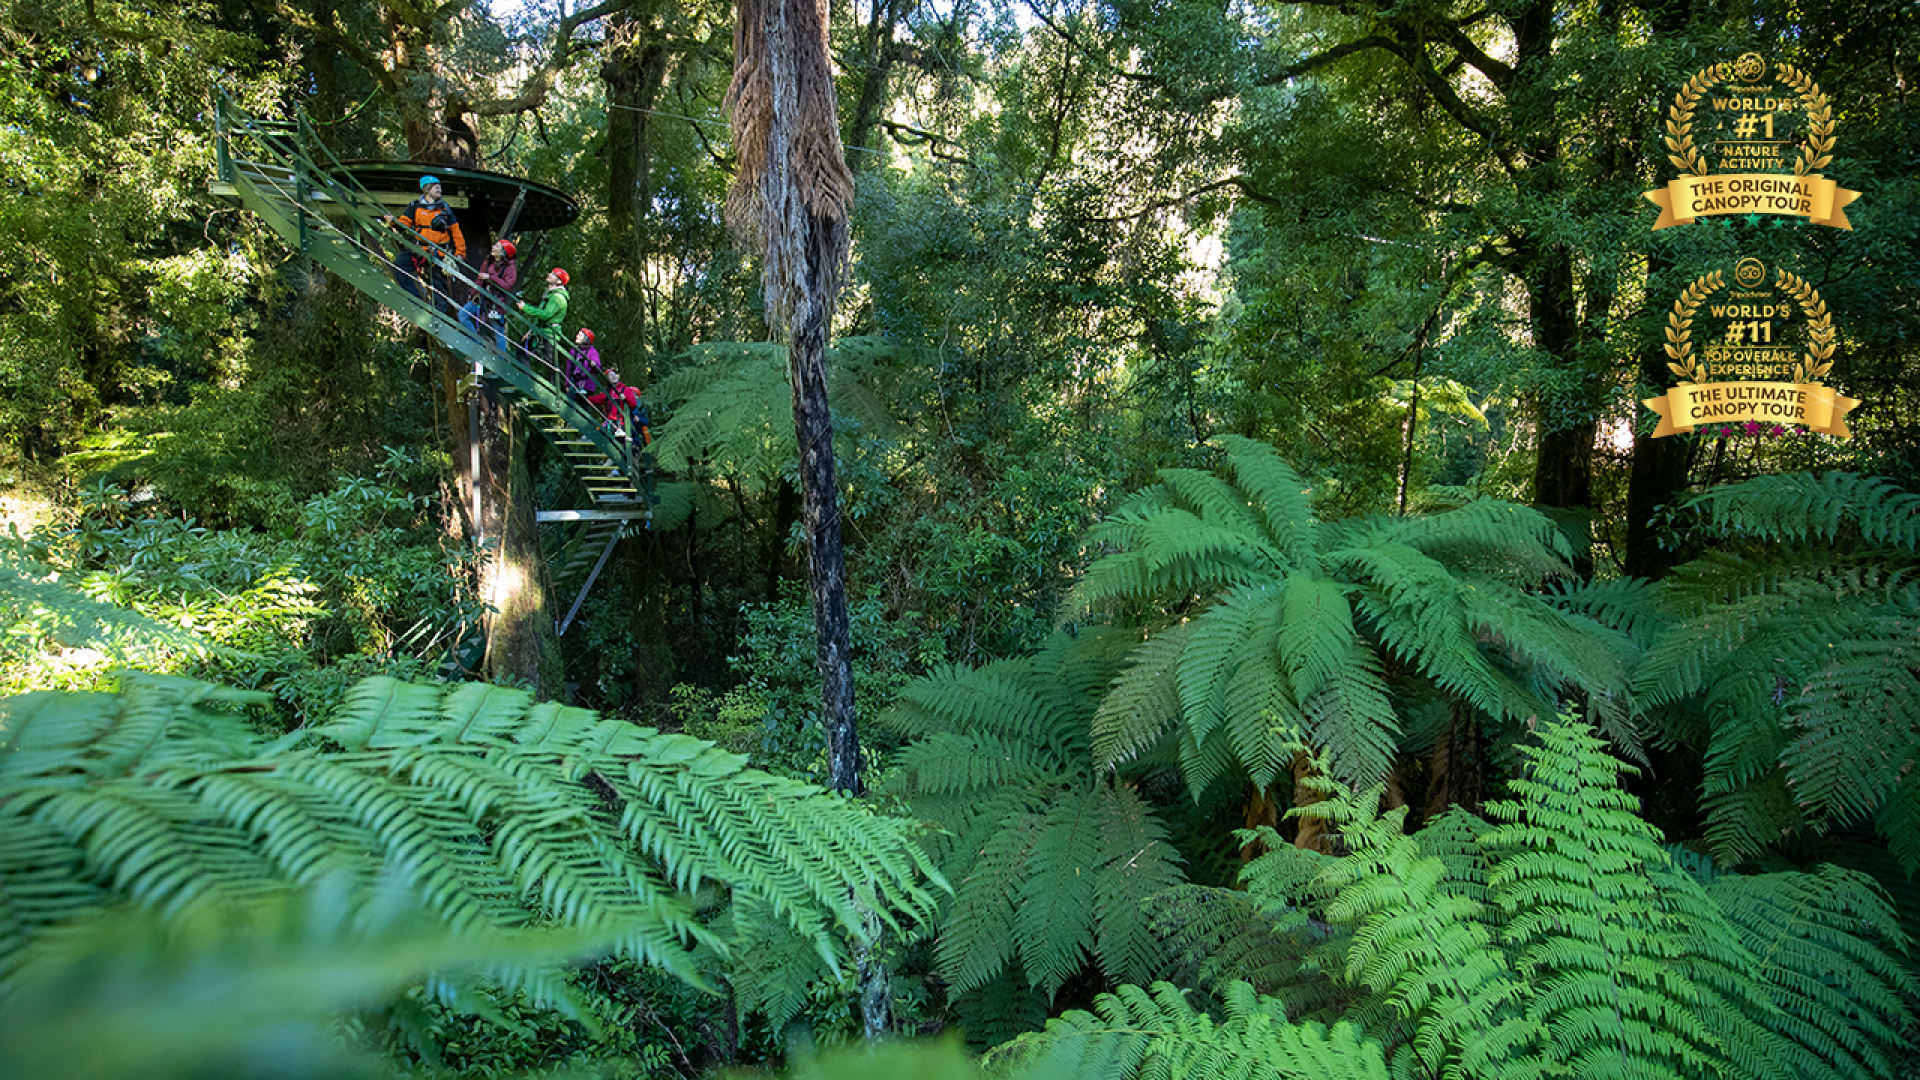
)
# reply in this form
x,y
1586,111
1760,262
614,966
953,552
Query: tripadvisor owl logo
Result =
x,y
1761,351
1750,139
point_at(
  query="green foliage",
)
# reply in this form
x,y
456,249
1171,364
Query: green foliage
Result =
x,y
110,294
258,988
358,573
1050,861
497,811
1133,1032
1290,624
1792,635
732,405
1567,941
779,686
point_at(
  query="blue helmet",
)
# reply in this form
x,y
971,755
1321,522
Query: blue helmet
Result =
x,y
428,181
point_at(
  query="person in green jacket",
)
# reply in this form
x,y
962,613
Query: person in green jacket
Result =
x,y
547,316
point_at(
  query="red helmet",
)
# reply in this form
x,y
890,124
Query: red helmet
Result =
x,y
507,247
561,274
589,334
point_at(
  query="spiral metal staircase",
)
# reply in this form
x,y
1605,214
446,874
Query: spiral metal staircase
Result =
x,y
281,171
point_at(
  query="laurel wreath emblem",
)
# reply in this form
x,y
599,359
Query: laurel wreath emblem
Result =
x,y
1819,358
1680,327
1816,150
1681,151
1817,361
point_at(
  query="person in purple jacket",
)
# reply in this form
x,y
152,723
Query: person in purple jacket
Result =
x,y
494,289
583,364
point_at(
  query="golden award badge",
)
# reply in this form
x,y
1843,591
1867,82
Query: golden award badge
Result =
x,y
1767,130
1766,339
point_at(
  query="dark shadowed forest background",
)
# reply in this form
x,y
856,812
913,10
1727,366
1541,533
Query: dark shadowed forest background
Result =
x,y
1280,647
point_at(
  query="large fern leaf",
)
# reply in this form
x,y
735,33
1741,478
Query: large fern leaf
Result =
x,y
1136,1032
494,810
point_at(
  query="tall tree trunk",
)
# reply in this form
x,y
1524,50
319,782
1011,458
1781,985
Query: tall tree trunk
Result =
x,y
790,199
634,71
826,559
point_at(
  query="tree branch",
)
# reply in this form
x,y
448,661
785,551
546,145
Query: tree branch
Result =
x,y
333,35
1245,185
1322,59
538,85
1497,73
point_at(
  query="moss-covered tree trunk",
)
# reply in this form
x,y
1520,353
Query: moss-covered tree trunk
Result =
x,y
513,576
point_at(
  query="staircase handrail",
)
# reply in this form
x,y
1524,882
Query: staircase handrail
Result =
x,y
525,370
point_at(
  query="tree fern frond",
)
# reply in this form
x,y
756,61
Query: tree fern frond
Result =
x,y
949,762
1213,500
1337,682
1745,817
1416,607
1136,1032
495,811
977,938
1285,500
1000,1010
1215,936
1136,862
1826,945
1143,702
1815,508
1857,723
1227,639
1008,697
1899,821
1629,605
1053,924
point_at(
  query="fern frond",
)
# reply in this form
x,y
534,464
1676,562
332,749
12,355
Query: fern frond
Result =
x,y
495,811
1136,862
1144,700
1211,499
1215,936
1285,500
1011,698
1229,637
1429,952
1594,937
976,939
1053,925
1826,944
1136,1032
1816,508
1337,681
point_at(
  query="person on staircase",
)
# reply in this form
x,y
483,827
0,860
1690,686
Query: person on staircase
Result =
x,y
617,403
583,365
435,243
545,338
493,288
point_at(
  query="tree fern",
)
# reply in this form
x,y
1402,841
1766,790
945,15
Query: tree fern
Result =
x,y
498,812
1825,944
1050,861
731,404
1793,638
1291,624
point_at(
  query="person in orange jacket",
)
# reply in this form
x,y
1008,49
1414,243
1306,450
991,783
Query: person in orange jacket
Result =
x,y
435,235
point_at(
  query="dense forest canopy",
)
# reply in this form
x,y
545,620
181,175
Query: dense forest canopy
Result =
x,y
1279,640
